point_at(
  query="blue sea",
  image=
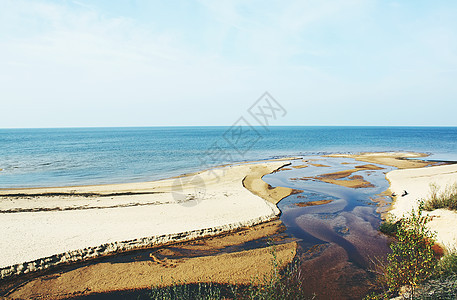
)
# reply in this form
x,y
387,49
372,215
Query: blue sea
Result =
x,y
80,156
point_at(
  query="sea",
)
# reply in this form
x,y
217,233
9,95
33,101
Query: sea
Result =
x,y
83,156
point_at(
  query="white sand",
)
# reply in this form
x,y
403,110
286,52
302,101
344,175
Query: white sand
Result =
x,y
417,183
219,200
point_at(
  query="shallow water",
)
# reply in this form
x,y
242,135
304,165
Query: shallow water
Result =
x,y
338,241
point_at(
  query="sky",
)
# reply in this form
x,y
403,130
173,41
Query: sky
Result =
x,y
109,63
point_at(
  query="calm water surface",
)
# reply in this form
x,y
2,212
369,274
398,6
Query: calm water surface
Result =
x,y
337,241
78,156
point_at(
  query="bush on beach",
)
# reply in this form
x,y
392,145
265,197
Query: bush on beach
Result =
x,y
389,227
413,259
446,199
447,266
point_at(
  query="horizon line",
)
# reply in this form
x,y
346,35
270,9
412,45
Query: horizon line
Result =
x,y
256,126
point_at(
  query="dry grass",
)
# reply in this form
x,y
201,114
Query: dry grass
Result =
x,y
446,199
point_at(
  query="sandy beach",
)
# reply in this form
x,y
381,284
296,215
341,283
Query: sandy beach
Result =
x,y
416,182
51,226
211,211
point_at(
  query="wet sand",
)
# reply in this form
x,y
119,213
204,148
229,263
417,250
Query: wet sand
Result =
x,y
401,160
319,165
313,203
241,257
344,178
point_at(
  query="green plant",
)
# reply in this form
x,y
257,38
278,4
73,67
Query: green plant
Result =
x,y
374,296
447,266
446,199
200,291
441,288
389,226
412,260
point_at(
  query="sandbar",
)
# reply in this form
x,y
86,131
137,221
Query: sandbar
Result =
x,y
345,177
401,160
313,203
319,165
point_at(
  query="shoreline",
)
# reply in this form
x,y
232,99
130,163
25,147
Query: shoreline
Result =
x,y
127,196
415,176
417,184
76,280
193,201
133,181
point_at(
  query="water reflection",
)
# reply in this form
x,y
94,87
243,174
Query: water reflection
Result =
x,y
338,241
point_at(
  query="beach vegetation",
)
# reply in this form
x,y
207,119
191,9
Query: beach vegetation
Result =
x,y
413,259
389,226
447,265
443,283
438,288
446,199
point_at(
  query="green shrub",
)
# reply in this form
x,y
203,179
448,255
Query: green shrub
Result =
x,y
446,199
200,291
447,266
389,227
412,260
374,296
441,288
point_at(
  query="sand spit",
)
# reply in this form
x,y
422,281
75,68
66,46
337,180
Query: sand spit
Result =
x,y
300,166
313,203
253,182
67,224
319,165
346,178
401,160
416,182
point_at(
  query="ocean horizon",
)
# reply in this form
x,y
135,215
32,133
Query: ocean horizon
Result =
x,y
39,157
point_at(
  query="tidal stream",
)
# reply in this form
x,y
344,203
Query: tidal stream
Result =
x,y
339,241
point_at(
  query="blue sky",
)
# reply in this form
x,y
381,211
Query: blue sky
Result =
x,y
152,63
